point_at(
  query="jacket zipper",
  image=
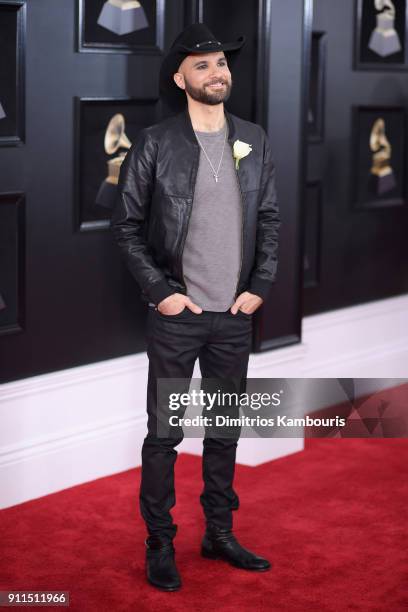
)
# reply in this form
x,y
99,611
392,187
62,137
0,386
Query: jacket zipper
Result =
x,y
185,236
182,248
242,232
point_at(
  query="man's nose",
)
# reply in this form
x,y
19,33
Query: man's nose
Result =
x,y
218,75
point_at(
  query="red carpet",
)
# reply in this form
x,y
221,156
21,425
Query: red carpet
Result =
x,y
333,520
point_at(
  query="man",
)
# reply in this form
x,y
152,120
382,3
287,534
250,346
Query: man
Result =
x,y
197,223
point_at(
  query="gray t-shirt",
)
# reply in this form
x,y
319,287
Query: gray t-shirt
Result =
x,y
212,251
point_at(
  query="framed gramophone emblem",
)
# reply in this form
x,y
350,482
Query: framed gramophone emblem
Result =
x,y
121,26
379,156
381,35
105,130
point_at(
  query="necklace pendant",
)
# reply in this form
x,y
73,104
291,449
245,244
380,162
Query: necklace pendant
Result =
x,y
216,178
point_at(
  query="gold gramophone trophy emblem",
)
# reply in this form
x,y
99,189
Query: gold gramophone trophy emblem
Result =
x,y
384,39
123,16
115,139
382,174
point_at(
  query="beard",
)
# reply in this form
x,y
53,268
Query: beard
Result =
x,y
209,96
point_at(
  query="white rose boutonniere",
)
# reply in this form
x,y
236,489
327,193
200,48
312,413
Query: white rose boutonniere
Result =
x,y
240,150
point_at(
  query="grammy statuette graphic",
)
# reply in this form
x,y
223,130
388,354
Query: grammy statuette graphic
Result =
x,y
385,40
382,175
123,16
115,139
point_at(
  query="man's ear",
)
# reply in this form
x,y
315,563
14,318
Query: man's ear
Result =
x,y
179,80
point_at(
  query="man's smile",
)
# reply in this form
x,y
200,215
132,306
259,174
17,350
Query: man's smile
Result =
x,y
217,85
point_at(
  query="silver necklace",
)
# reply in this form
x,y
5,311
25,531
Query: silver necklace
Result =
x,y
215,172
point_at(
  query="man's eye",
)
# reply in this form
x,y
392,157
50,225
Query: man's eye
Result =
x,y
222,62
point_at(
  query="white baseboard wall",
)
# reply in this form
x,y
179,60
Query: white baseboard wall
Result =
x,y
69,427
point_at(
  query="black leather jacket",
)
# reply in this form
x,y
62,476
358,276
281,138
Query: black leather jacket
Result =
x,y
155,196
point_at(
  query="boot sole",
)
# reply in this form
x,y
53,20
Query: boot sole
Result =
x,y
163,588
208,554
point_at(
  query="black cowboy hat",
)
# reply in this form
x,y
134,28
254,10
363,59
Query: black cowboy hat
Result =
x,y
196,38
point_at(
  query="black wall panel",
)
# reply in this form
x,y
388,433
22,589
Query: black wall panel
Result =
x,y
364,252
12,263
280,321
82,305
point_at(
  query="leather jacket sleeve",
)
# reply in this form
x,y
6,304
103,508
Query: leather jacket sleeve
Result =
x,y
131,214
263,274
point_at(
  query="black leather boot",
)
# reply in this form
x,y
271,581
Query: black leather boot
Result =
x,y
222,544
161,570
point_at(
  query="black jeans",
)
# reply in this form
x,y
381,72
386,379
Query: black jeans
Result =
x,y
222,343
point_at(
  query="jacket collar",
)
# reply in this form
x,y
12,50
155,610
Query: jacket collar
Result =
x,y
188,129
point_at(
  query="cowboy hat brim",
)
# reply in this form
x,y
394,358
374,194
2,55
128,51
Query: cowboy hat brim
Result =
x,y
212,46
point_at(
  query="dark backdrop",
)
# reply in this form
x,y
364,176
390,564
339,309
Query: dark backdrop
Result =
x,y
77,303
